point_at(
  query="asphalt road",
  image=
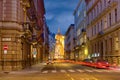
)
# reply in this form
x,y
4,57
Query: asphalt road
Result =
x,y
63,71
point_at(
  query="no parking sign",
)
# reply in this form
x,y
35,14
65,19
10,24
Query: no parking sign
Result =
x,y
5,48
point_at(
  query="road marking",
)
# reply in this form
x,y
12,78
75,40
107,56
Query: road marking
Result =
x,y
53,71
79,70
98,70
70,70
45,72
71,78
23,72
88,70
62,71
76,70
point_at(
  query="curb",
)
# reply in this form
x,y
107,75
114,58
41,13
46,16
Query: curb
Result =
x,y
33,69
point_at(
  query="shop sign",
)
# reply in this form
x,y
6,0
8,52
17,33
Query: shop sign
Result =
x,y
6,39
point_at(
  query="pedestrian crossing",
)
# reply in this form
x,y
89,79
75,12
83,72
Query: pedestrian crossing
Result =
x,y
78,70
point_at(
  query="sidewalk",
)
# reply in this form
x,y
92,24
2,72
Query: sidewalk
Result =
x,y
33,69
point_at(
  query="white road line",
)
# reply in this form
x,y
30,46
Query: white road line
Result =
x,y
70,70
45,72
98,70
53,71
24,72
63,71
79,70
88,70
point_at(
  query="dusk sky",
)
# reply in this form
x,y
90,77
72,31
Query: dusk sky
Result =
x,y
59,13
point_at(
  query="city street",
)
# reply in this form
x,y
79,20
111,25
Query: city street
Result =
x,y
61,71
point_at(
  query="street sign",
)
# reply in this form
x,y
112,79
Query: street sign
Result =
x,y
5,51
5,47
34,52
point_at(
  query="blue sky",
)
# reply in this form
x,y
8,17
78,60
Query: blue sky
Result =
x,y
59,13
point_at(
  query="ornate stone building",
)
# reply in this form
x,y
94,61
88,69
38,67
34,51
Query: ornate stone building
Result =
x,y
70,43
103,29
21,25
80,25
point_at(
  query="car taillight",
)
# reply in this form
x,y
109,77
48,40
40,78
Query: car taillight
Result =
x,y
99,64
107,63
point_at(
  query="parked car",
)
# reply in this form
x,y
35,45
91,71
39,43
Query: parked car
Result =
x,y
101,64
87,62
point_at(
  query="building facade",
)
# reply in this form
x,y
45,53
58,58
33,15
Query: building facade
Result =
x,y
46,43
19,28
70,43
80,25
51,45
59,46
103,29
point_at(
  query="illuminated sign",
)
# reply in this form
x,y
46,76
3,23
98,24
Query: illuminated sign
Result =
x,y
6,39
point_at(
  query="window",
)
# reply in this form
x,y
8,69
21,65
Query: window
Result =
x,y
116,43
115,15
92,31
110,44
84,13
106,46
100,6
98,28
109,1
110,19
91,15
105,3
101,25
105,22
95,29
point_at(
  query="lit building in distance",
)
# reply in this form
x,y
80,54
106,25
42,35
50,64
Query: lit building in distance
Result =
x,y
59,46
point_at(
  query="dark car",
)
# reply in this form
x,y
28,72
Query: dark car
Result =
x,y
101,64
87,62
